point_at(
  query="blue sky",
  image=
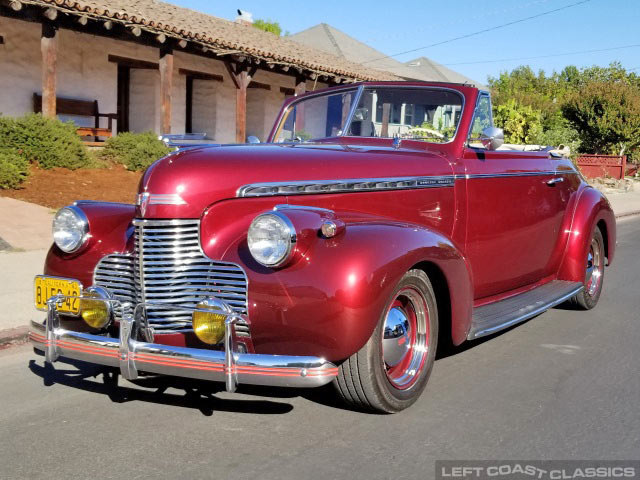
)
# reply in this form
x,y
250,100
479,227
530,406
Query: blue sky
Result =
x,y
396,26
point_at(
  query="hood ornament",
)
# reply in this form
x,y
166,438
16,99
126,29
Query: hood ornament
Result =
x,y
145,199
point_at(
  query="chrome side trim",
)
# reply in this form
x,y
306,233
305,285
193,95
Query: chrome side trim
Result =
x,y
314,187
507,175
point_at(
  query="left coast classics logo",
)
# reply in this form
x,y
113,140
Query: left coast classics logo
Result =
x,y
145,199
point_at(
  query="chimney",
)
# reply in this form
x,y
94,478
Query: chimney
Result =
x,y
244,18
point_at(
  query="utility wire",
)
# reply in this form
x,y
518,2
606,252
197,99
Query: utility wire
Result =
x,y
544,56
441,25
531,17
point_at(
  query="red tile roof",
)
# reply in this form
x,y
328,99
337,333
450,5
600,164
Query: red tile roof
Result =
x,y
222,36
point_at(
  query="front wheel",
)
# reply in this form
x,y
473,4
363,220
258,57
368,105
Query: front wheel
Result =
x,y
594,274
390,372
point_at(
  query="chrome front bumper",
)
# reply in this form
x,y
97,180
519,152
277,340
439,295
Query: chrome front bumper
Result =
x,y
131,356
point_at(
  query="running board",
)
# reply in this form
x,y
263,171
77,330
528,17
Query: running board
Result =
x,y
495,316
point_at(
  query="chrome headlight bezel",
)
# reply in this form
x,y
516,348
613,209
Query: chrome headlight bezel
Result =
x,y
288,233
81,229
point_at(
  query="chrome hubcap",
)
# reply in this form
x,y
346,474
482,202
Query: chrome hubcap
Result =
x,y
405,338
396,340
594,268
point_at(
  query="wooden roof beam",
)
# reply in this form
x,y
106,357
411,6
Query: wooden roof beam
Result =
x,y
50,13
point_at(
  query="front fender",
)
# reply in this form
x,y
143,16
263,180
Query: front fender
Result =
x,y
329,301
110,229
592,209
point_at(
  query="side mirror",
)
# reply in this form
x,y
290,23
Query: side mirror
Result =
x,y
253,139
492,138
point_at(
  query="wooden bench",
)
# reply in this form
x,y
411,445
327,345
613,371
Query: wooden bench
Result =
x,y
81,108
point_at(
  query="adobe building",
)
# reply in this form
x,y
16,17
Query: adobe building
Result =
x,y
139,65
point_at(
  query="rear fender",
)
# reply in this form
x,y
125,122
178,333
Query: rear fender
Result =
x,y
592,208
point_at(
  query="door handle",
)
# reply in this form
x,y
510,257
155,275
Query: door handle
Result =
x,y
553,181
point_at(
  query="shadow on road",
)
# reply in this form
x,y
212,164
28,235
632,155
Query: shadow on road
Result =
x,y
198,395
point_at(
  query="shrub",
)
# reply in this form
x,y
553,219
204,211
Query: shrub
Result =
x,y
13,169
48,142
521,123
562,135
134,150
607,116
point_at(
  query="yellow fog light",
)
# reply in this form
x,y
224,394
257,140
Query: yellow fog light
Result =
x,y
95,313
209,326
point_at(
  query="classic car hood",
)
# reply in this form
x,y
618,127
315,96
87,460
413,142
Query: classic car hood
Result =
x,y
183,184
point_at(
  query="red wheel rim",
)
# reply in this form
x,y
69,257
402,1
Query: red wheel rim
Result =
x,y
405,338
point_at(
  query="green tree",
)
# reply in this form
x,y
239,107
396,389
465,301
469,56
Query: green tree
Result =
x,y
606,113
522,124
268,26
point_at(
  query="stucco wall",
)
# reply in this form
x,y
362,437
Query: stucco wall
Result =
x,y
20,66
144,98
205,100
84,72
219,112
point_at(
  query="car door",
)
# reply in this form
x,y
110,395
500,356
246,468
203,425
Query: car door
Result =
x,y
513,221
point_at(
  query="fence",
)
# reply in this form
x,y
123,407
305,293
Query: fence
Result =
x,y
593,166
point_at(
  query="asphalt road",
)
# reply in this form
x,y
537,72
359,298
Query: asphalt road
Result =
x,y
564,385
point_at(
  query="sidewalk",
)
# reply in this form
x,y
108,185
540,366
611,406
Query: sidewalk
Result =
x,y
25,237
26,228
625,204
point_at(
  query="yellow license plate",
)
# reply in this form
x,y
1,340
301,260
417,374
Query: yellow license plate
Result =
x,y
47,287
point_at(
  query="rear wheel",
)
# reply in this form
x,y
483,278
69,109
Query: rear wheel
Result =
x,y
594,274
392,369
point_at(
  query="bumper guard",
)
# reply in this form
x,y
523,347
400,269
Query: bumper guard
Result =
x,y
131,355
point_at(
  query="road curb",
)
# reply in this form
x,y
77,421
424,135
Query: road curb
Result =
x,y
13,335
628,214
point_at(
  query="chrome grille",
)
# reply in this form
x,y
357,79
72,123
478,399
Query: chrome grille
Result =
x,y
115,273
168,267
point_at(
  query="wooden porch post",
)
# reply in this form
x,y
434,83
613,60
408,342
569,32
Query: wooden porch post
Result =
x,y
166,88
301,88
241,75
301,85
49,49
386,111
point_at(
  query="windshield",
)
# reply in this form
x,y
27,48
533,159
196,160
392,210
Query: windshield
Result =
x,y
413,113
316,117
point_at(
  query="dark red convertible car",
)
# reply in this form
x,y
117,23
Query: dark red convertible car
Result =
x,y
379,220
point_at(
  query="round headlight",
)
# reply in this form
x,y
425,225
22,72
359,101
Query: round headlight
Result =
x,y
271,238
70,229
